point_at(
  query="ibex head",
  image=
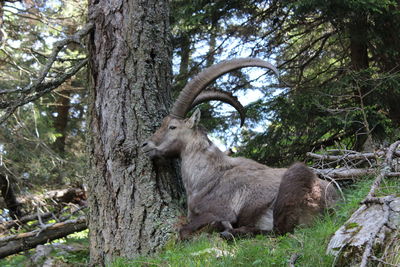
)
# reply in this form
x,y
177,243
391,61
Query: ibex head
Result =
x,y
175,130
171,137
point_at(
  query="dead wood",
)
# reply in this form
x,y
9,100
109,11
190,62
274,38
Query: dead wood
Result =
x,y
40,218
69,195
293,259
385,169
371,226
346,173
62,196
351,155
20,242
343,173
23,220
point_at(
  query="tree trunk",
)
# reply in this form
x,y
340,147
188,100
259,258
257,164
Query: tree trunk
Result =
x,y
60,122
10,199
388,54
358,31
1,21
131,200
60,125
181,79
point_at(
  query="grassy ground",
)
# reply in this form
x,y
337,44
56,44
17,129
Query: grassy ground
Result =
x,y
210,250
309,243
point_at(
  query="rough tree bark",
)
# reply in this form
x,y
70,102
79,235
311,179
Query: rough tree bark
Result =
x,y
373,230
1,21
130,199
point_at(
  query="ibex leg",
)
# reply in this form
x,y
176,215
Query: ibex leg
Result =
x,y
196,223
242,231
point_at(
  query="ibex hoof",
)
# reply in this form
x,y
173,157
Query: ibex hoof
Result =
x,y
226,235
184,234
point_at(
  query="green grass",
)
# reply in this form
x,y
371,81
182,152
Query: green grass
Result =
x,y
309,243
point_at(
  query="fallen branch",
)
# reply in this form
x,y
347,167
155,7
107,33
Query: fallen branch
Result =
x,y
39,87
351,155
343,173
38,216
57,47
69,195
23,220
385,169
20,242
293,259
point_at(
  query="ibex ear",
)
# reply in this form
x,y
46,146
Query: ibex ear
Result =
x,y
194,119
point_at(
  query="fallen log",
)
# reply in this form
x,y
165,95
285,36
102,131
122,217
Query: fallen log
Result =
x,y
368,231
69,195
20,242
372,229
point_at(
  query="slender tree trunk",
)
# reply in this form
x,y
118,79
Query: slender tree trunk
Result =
x,y
388,53
10,199
185,56
358,31
130,198
60,122
181,79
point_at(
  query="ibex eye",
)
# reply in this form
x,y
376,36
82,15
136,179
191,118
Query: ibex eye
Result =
x,y
172,127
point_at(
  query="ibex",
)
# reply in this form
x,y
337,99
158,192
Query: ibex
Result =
x,y
233,195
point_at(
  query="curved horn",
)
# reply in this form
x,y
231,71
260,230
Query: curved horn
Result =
x,y
225,97
197,84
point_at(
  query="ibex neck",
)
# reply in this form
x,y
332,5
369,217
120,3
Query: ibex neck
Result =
x,y
202,163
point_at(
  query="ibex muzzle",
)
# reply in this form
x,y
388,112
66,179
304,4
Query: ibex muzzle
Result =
x,y
234,195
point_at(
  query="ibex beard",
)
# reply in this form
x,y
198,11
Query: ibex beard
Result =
x,y
233,195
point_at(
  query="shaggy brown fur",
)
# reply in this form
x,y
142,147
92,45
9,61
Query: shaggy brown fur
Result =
x,y
300,198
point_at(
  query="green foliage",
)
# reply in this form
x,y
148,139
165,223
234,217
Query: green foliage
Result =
x,y
344,7
311,118
38,144
318,100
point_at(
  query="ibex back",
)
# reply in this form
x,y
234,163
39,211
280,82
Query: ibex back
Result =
x,y
233,195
